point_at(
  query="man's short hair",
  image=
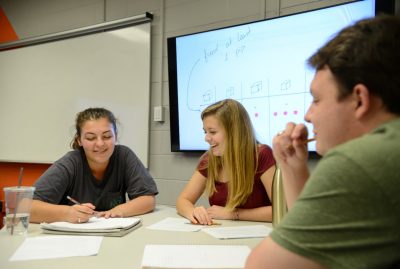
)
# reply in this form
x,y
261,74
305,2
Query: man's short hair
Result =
x,y
367,52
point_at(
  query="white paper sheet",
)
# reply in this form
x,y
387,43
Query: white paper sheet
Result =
x,y
57,246
238,231
176,224
94,224
194,256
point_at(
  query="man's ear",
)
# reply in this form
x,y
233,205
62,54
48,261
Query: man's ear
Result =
x,y
362,100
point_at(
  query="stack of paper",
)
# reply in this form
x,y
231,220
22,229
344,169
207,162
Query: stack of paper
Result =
x,y
194,256
95,226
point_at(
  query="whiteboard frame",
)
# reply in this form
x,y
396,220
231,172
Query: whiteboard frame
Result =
x,y
106,26
38,124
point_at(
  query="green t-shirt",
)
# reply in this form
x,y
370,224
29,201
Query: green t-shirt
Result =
x,y
348,215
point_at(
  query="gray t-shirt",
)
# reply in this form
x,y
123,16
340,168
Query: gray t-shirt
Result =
x,y
71,176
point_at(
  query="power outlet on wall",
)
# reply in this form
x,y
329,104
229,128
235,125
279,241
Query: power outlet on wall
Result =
x,y
158,114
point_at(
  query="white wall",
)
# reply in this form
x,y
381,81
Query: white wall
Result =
x,y
31,18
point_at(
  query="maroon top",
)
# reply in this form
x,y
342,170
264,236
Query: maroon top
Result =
x,y
259,196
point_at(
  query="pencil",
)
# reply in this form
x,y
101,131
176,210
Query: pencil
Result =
x,y
309,140
290,147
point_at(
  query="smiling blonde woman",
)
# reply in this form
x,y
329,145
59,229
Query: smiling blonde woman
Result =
x,y
236,172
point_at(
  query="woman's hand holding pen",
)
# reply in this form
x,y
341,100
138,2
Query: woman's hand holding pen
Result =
x,y
81,213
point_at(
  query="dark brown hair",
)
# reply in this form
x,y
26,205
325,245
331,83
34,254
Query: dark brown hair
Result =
x,y
91,114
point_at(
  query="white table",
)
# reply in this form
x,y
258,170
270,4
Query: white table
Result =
x,y
119,252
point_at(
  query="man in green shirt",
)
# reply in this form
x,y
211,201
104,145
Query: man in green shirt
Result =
x,y
346,214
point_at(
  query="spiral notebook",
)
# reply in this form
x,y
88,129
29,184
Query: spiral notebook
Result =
x,y
95,226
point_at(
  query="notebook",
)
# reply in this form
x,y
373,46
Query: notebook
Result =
x,y
95,226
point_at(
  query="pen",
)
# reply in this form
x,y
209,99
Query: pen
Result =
x,y
77,203
212,224
73,200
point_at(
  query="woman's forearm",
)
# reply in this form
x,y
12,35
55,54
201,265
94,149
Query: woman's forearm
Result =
x,y
184,207
254,214
140,205
46,212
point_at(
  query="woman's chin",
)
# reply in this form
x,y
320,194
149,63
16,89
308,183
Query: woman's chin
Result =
x,y
216,152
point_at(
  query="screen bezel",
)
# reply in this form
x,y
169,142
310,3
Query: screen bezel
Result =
x,y
387,7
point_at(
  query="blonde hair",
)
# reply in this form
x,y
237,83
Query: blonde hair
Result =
x,y
240,154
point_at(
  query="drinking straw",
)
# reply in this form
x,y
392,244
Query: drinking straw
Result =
x,y
21,173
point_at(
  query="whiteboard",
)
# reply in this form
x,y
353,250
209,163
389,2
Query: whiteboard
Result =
x,y
42,87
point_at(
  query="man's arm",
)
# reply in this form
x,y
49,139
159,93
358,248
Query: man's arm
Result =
x,y
291,155
269,254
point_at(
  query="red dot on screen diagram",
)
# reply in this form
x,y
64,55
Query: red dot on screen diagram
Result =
x,y
281,113
285,113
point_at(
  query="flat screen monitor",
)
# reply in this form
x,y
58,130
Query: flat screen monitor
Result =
x,y
261,64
